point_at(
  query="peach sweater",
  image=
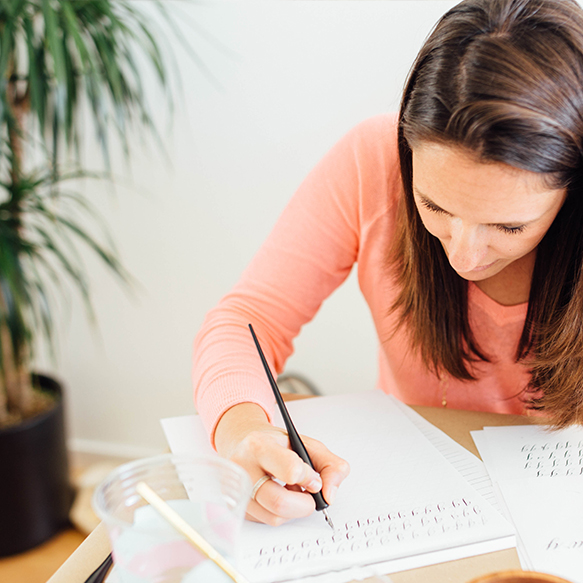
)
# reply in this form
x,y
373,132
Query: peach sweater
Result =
x,y
342,214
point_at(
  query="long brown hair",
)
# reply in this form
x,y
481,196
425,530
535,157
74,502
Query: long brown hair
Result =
x,y
502,79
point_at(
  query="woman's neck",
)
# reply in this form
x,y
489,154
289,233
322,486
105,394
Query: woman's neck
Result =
x,y
512,285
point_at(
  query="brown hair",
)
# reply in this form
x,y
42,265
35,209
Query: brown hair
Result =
x,y
502,79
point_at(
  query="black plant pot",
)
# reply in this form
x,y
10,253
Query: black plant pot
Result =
x,y
35,492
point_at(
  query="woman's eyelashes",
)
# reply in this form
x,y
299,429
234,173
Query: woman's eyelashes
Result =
x,y
507,229
432,207
511,230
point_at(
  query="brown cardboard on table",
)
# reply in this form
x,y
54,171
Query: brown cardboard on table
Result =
x,y
457,424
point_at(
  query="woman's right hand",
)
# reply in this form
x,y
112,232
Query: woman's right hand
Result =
x,y
245,436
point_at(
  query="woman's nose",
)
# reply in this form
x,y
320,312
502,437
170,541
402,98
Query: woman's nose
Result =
x,y
467,246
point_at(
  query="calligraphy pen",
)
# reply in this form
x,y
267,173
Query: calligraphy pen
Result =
x,y
294,437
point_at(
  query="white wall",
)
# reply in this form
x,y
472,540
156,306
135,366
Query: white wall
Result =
x,y
299,76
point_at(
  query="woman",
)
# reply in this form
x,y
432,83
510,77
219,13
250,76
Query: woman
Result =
x,y
464,216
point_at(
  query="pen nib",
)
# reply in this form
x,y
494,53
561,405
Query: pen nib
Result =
x,y
328,519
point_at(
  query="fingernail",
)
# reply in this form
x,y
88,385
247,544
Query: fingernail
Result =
x,y
315,484
332,494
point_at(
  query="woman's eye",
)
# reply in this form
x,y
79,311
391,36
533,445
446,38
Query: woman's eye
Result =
x,y
511,230
504,228
431,207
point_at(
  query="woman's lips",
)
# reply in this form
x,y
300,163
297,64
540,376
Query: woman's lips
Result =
x,y
482,267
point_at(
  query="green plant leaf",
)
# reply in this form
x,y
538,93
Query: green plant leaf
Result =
x,y
55,57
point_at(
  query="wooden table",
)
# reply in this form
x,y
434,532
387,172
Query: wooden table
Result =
x,y
457,424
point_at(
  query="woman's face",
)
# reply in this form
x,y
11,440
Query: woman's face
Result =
x,y
486,215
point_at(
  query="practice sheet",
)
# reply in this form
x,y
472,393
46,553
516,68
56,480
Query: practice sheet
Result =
x,y
549,516
530,451
539,475
403,505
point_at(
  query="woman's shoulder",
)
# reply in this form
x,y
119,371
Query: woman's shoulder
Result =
x,y
360,175
368,151
378,130
373,143
365,170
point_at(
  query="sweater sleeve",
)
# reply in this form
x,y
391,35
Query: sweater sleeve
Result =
x,y
308,254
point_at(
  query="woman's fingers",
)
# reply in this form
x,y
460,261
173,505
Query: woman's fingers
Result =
x,y
333,469
266,453
274,503
268,450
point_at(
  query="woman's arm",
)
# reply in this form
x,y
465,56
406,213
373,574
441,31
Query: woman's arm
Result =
x,y
309,253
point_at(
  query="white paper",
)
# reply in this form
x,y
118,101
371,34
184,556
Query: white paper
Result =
x,y
466,463
531,451
403,505
539,476
550,523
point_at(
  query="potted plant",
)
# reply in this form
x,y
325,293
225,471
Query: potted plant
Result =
x,y
58,59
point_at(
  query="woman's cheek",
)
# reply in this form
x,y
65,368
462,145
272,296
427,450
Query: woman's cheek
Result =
x,y
436,225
